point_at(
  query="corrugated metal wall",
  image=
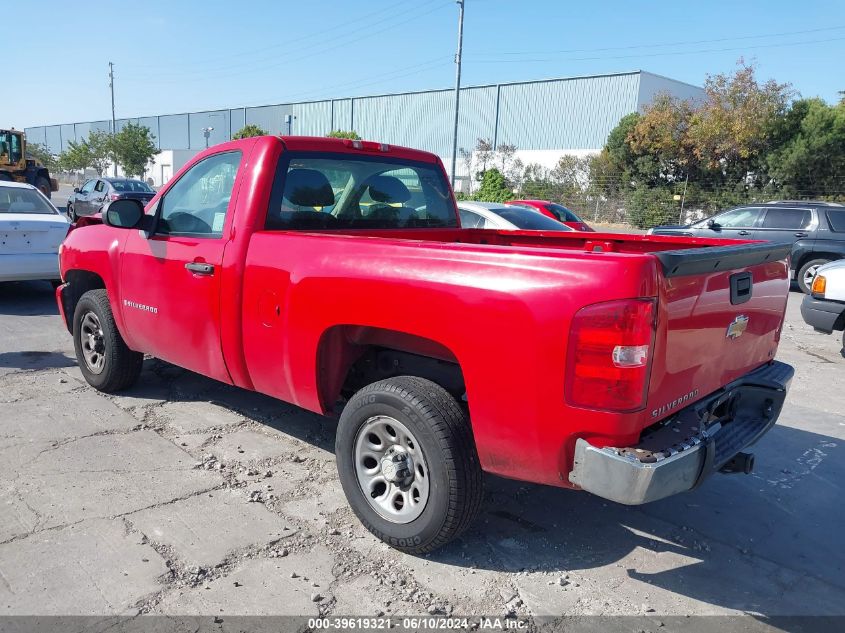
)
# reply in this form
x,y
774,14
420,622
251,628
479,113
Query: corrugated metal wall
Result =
x,y
562,114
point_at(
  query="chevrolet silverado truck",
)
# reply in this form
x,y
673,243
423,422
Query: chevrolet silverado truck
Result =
x,y
334,275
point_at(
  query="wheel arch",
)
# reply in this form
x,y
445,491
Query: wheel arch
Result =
x,y
817,254
78,283
352,356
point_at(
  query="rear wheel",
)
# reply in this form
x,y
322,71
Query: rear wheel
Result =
x,y
43,185
408,465
808,272
104,359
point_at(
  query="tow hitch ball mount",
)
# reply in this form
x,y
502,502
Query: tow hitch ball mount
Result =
x,y
739,463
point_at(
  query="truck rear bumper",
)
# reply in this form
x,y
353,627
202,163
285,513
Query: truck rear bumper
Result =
x,y
821,314
680,452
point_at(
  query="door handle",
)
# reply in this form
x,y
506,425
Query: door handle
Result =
x,y
743,233
800,235
198,268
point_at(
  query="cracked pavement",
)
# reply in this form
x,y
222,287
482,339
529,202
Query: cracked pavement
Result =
x,y
183,496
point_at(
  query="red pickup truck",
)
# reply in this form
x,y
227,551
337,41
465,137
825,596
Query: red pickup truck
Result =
x,y
333,274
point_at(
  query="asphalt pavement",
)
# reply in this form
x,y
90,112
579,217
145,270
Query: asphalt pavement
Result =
x,y
184,496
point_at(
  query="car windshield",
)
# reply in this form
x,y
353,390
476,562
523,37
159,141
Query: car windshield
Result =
x,y
134,186
341,191
566,215
21,200
529,220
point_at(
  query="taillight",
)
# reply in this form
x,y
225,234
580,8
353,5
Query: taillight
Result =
x,y
114,196
819,286
611,345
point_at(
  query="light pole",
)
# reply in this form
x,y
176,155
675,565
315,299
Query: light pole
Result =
x,y
113,122
457,86
206,132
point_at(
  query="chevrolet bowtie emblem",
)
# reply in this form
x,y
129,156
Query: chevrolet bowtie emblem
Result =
x,y
737,327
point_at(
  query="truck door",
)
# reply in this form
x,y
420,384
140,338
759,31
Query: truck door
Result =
x,y
170,281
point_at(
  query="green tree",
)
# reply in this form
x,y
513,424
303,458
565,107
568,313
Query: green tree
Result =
x,y
42,155
349,134
100,150
95,152
77,156
731,130
810,159
248,131
133,147
493,187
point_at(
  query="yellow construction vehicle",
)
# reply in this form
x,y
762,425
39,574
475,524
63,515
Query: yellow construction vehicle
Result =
x,y
17,166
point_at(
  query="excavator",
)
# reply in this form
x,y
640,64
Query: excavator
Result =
x,y
16,166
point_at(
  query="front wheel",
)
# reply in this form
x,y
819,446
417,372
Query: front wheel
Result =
x,y
808,272
71,213
43,185
407,463
107,364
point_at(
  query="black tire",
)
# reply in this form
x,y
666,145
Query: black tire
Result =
x,y
71,213
120,365
813,263
444,436
43,185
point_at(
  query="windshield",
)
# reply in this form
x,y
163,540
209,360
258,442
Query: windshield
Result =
x,y
529,220
564,214
20,200
316,191
136,186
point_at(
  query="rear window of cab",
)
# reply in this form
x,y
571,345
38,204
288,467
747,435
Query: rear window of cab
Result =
x,y
316,191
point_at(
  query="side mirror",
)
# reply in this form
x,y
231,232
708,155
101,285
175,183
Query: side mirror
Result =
x,y
76,190
712,224
123,214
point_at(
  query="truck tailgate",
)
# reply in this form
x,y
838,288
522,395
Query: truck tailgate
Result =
x,y
720,315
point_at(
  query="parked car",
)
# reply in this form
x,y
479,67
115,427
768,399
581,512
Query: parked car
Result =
x,y
824,307
96,192
556,212
493,215
815,229
31,230
631,368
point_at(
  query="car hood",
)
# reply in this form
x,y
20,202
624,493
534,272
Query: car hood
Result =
x,y
835,265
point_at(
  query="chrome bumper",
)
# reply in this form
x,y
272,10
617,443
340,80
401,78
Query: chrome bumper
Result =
x,y
679,453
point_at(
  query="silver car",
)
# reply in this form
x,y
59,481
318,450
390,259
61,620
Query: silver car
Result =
x,y
506,217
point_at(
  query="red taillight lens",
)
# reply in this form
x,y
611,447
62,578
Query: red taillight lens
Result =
x,y
114,196
609,356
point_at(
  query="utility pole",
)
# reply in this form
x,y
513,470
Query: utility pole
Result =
x,y
113,123
457,86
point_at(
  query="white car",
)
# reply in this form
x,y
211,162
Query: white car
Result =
x,y
31,231
824,307
507,217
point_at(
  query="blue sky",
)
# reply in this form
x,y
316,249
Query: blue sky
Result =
x,y
183,55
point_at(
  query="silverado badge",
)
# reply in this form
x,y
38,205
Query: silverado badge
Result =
x,y
737,327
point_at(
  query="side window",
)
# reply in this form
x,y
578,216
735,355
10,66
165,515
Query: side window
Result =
x,y
88,187
100,186
197,203
837,220
16,151
787,219
470,220
738,218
